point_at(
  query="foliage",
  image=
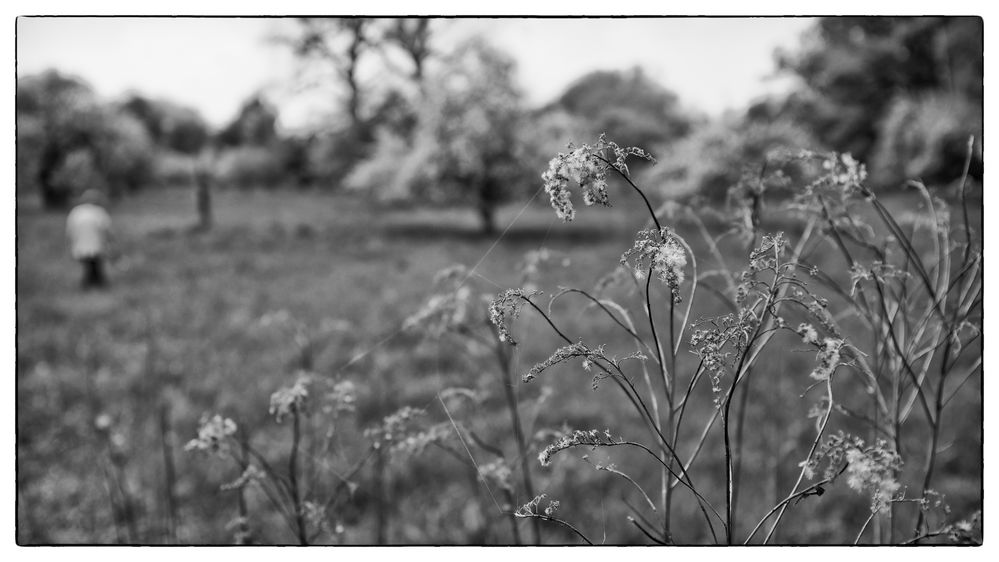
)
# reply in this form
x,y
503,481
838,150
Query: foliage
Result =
x,y
717,158
910,314
254,125
249,166
855,70
59,116
925,137
640,111
465,146
170,126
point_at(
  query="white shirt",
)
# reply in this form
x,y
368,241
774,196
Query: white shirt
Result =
x,y
88,228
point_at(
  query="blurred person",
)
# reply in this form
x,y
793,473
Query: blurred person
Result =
x,y
88,228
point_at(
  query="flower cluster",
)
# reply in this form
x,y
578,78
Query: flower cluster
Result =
x,y
342,398
289,399
531,508
716,346
968,531
530,266
441,314
447,310
251,474
212,434
564,353
414,443
870,470
583,166
611,279
505,308
497,473
808,334
395,427
578,438
586,166
844,171
827,359
663,254
878,271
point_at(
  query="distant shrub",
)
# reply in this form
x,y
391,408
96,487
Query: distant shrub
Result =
x,y
714,159
924,137
249,166
78,172
126,154
174,169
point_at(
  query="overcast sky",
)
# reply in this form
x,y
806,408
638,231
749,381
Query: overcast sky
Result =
x,y
214,64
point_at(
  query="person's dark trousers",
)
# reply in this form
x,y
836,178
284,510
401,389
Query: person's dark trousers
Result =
x,y
93,273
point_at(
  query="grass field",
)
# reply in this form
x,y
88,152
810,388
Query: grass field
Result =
x,y
110,385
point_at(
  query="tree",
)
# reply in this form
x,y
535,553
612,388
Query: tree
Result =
x,y
68,141
466,148
629,106
339,43
860,74
254,125
412,37
170,126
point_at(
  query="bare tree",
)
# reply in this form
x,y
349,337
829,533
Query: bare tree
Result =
x,y
341,42
412,36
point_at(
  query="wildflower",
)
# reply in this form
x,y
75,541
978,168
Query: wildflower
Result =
x,y
498,473
342,398
582,166
552,508
459,392
441,313
212,433
530,266
662,253
532,508
870,470
968,531
394,427
578,438
507,307
586,166
828,359
716,346
415,443
249,475
289,399
808,334
102,422
563,353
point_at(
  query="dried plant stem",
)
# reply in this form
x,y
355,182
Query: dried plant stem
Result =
x,y
518,431
169,472
565,524
811,451
296,495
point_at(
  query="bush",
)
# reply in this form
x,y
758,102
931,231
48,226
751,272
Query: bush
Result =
x,y
249,166
925,137
714,159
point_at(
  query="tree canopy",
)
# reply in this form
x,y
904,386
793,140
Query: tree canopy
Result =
x,y
869,84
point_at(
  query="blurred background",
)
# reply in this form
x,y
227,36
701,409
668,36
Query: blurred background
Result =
x,y
283,192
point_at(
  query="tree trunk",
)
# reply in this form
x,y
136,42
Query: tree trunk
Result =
x,y
487,218
204,197
52,196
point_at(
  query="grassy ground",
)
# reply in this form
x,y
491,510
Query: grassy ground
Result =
x,y
183,332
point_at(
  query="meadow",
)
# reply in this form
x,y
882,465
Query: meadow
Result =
x,y
112,385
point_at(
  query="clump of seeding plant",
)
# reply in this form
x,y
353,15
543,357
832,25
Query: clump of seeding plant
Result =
x,y
297,488
457,313
919,313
